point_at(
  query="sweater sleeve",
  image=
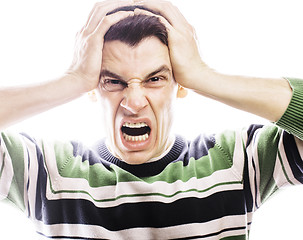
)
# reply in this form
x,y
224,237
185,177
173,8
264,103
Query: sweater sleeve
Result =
x,y
17,156
292,119
274,153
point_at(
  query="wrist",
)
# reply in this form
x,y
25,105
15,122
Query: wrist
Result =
x,y
78,82
200,79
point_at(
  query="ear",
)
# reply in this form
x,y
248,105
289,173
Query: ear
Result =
x,y
182,92
92,96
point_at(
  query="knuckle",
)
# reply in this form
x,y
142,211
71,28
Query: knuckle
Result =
x,y
84,32
100,4
106,19
89,40
96,5
168,4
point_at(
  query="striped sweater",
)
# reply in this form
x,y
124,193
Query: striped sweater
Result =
x,y
207,188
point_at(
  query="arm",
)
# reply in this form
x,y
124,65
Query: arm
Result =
x,y
20,155
18,103
267,98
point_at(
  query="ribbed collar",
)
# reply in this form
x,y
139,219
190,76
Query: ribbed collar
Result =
x,y
145,169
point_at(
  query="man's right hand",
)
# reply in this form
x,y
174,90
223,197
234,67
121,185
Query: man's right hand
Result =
x,y
18,103
86,64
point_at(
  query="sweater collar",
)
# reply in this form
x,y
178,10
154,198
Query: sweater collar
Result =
x,y
145,169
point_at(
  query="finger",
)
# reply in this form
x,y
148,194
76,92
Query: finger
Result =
x,y
97,5
110,20
163,20
93,10
101,9
166,9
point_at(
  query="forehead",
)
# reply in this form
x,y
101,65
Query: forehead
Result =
x,y
134,62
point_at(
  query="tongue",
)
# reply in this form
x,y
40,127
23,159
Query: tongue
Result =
x,y
135,131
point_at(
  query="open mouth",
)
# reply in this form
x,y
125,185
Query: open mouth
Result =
x,y
135,132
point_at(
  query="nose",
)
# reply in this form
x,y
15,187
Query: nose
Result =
x,y
134,98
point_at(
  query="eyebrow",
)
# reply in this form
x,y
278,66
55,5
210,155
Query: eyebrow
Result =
x,y
161,69
107,73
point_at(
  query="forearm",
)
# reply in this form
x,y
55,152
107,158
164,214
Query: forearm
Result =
x,y
264,97
267,98
82,76
19,103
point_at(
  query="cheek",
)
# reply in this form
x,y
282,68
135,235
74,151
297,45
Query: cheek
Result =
x,y
169,97
109,101
165,106
109,108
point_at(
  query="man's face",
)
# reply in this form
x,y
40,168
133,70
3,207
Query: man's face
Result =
x,y
137,91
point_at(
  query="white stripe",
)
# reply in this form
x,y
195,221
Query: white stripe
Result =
x,y
300,146
25,175
279,175
148,198
32,177
132,188
238,158
7,173
180,231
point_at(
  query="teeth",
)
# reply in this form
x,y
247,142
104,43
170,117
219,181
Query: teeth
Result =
x,y
135,125
135,138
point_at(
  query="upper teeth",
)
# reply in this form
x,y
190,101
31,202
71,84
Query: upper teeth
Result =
x,y
135,125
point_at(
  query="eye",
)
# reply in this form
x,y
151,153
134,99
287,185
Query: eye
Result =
x,y
112,81
113,85
154,79
156,82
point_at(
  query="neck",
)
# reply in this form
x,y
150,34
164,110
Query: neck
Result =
x,y
167,147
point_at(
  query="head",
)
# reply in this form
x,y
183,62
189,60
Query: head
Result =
x,y
137,88
132,30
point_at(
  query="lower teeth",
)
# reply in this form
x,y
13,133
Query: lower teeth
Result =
x,y
135,138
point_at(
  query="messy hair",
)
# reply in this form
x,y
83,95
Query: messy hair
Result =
x,y
133,29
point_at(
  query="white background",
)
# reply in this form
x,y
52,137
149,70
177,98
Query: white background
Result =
x,y
257,38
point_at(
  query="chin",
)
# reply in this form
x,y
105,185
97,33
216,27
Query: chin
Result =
x,y
135,158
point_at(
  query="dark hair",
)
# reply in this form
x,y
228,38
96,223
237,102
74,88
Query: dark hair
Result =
x,y
133,29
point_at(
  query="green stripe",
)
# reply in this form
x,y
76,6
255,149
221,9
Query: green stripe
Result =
x,y
74,167
142,195
16,153
267,155
292,119
226,142
97,175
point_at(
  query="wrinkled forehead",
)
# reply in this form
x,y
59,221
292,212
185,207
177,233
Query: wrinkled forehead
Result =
x,y
137,61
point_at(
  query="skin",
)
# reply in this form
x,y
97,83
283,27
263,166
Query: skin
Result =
x,y
267,98
138,102
20,102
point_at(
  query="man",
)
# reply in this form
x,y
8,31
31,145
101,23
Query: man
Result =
x,y
143,182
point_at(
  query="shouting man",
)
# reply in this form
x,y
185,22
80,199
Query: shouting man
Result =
x,y
143,181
